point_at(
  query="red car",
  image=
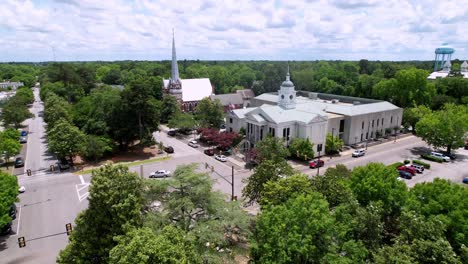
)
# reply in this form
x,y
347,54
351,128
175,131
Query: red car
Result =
x,y
209,152
408,169
316,163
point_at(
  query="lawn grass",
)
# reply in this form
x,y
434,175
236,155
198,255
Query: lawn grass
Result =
x,y
129,164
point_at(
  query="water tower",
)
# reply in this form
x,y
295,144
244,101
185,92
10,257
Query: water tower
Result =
x,y
442,55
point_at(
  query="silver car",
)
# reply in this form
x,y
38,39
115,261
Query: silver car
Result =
x,y
160,174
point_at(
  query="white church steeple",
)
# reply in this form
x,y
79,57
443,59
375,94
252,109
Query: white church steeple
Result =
x,y
287,94
175,84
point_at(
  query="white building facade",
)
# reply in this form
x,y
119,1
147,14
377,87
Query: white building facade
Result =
x,y
292,114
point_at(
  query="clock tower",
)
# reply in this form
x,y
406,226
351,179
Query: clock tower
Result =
x,y
287,94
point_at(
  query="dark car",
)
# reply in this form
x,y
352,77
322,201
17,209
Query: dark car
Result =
x,y
24,133
465,180
405,175
63,164
19,162
169,149
13,211
6,229
171,132
316,163
209,152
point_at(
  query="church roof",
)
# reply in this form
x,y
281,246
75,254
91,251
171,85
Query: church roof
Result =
x,y
194,89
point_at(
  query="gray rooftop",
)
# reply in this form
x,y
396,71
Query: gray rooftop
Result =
x,y
227,99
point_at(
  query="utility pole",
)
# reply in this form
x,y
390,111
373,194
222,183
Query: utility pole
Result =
x,y
232,185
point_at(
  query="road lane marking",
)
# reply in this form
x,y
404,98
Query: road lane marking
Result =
x,y
81,179
19,222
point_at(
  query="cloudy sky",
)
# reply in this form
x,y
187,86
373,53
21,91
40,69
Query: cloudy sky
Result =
x,y
38,30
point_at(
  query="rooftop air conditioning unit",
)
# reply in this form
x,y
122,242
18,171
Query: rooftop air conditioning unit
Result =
x,y
356,103
334,101
313,96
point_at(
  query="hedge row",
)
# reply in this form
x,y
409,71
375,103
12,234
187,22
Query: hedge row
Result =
x,y
432,158
426,165
395,165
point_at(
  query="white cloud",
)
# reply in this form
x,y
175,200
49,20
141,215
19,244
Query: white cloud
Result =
x,y
231,29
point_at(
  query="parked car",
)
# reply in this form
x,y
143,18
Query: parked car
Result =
x,y
160,174
193,144
358,153
12,211
451,155
316,163
209,152
24,133
221,158
418,168
440,155
465,180
169,149
63,164
21,189
172,132
23,140
19,162
405,174
6,229
407,169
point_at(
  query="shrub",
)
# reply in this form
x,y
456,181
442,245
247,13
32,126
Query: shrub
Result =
x,y
426,165
431,158
407,161
395,165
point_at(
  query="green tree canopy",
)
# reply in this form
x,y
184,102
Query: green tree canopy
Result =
x,y
445,128
65,139
14,112
301,148
280,191
333,144
182,121
9,143
271,148
170,246
209,113
115,203
56,108
8,194
170,108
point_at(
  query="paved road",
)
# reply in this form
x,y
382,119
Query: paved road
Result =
x,y
51,200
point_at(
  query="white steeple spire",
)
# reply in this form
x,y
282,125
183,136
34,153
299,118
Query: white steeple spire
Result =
x,y
287,93
174,66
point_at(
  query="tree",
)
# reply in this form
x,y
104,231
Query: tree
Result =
x,y
170,108
65,139
271,148
169,246
209,113
14,112
302,148
444,128
189,203
333,185
8,193
9,144
268,170
299,231
56,108
440,200
411,116
24,95
96,146
182,121
226,140
280,191
333,144
115,203
377,182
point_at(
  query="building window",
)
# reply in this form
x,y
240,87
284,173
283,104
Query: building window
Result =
x,y
367,135
261,134
378,122
341,126
273,132
230,129
361,136
372,123
284,132
287,134
319,147
382,121
391,120
248,128
362,124
230,120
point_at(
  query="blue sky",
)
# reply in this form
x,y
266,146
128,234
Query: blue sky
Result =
x,y
35,30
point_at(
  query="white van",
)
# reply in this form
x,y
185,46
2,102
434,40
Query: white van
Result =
x,y
440,155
